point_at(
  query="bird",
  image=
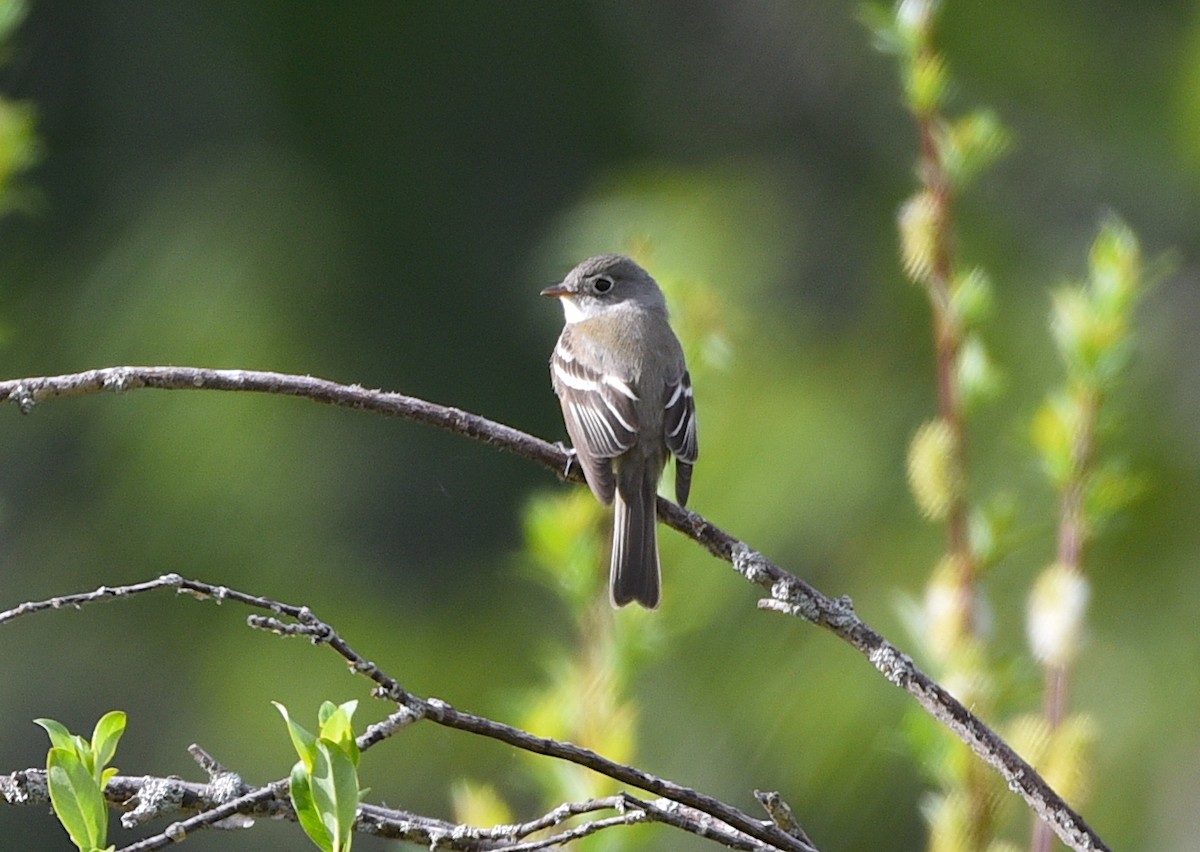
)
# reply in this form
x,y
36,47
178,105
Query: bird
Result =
x,y
626,396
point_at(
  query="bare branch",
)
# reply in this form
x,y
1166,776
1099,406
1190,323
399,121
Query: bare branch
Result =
x,y
699,823
789,594
173,796
413,708
555,817
145,798
26,393
591,827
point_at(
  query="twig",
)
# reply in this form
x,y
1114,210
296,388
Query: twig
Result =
x,y
579,831
147,797
26,393
789,594
175,796
412,708
557,816
701,824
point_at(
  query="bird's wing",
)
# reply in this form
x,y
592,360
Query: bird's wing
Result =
x,y
598,408
679,431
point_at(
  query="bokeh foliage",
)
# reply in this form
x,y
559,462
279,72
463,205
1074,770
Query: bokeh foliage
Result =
x,y
376,193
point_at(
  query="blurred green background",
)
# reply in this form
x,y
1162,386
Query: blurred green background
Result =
x,y
375,193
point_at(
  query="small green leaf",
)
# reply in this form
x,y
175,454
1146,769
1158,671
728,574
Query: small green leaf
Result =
x,y
978,379
324,784
1115,267
919,221
106,735
335,789
1055,427
306,809
971,144
925,83
303,741
324,712
971,297
60,737
336,727
76,776
934,472
77,799
1092,323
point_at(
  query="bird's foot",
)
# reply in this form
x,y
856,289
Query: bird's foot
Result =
x,y
572,458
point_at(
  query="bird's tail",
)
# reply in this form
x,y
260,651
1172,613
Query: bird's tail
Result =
x,y
635,574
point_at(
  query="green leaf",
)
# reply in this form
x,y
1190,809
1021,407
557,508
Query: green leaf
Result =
x,y
971,297
919,221
324,784
303,741
324,712
336,727
77,799
335,790
925,83
60,737
1115,267
1055,426
306,809
978,380
105,737
971,144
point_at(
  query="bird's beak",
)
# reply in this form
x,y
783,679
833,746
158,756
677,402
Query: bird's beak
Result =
x,y
558,290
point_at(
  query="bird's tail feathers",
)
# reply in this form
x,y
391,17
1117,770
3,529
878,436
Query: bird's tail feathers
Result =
x,y
635,573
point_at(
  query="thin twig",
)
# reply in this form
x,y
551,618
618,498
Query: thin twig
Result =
x,y
175,796
790,594
701,824
579,831
147,797
413,708
557,816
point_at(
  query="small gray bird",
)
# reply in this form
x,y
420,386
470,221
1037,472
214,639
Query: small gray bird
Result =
x,y
626,397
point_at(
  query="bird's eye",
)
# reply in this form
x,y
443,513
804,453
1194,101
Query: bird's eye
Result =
x,y
602,284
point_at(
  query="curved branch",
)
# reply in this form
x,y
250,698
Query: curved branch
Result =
x,y
789,594
413,708
687,808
